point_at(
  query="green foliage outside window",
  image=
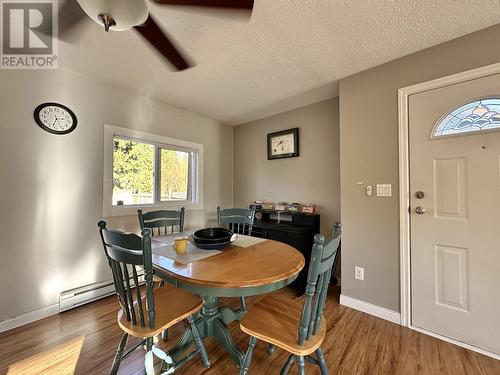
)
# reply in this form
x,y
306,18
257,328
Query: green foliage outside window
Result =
x,y
133,172
133,166
174,174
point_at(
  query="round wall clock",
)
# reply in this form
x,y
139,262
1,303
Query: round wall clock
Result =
x,y
55,118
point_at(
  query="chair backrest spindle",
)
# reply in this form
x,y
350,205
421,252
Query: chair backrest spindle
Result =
x,y
138,297
239,220
129,292
162,219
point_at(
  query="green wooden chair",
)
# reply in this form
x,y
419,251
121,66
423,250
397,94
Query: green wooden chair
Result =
x,y
297,328
146,316
162,219
239,220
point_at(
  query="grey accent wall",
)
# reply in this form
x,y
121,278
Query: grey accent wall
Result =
x,y
369,153
311,177
51,186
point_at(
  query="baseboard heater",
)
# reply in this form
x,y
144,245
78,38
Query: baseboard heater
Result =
x,y
72,298
85,294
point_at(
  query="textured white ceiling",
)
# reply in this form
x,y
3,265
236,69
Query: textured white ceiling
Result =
x,y
290,53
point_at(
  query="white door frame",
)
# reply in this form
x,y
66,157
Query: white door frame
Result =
x,y
404,187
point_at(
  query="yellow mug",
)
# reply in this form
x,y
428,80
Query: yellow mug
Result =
x,y
180,245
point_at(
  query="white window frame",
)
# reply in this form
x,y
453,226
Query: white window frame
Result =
x,y
196,201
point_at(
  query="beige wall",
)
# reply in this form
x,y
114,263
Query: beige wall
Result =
x,y
51,186
369,153
311,177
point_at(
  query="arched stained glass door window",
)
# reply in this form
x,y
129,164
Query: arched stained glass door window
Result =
x,y
476,116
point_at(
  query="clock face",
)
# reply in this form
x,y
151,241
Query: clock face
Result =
x,y
55,118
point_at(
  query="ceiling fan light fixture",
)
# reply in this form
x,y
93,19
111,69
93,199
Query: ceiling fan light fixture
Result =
x,y
125,14
107,21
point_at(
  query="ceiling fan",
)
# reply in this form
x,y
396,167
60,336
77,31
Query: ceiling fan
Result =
x,y
122,15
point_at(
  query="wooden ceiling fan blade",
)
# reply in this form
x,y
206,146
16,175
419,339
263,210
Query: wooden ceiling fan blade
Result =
x,y
159,40
231,4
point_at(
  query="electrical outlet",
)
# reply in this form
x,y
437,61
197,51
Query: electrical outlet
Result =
x,y
359,273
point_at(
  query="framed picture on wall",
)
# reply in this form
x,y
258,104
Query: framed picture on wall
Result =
x,y
283,144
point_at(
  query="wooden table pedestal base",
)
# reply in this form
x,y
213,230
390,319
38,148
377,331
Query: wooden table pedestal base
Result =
x,y
212,321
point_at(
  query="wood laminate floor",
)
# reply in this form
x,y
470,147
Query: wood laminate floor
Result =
x,y
84,340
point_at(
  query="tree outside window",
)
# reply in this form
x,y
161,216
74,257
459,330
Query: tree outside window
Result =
x,y
137,167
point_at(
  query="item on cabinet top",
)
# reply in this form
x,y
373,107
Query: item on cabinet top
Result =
x,y
255,206
293,207
281,206
267,206
309,209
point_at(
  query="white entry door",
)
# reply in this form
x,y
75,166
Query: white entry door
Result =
x,y
454,138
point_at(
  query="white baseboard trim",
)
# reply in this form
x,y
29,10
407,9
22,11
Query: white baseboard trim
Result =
x,y
18,321
379,312
456,342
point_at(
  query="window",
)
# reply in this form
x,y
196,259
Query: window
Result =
x,y
476,116
149,172
133,172
174,172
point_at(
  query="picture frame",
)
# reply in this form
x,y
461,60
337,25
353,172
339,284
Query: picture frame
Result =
x,y
283,144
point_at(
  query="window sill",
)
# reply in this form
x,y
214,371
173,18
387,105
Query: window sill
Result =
x,y
111,211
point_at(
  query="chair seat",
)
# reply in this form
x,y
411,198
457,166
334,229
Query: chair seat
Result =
x,y
172,305
276,319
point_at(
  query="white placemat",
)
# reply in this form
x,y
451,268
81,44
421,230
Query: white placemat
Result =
x,y
246,241
169,238
163,246
192,254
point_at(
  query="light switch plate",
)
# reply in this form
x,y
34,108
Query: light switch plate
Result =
x,y
384,190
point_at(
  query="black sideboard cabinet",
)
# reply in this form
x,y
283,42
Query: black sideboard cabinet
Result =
x,y
295,229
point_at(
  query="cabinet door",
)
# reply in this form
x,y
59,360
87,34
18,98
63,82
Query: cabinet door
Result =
x,y
292,239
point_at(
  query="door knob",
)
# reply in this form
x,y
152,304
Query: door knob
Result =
x,y
420,210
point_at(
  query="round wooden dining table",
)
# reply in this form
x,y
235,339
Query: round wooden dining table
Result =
x,y
235,272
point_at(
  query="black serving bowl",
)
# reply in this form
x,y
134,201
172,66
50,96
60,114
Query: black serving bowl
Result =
x,y
212,246
212,236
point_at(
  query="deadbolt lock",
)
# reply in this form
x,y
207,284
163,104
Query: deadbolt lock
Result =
x,y
419,194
